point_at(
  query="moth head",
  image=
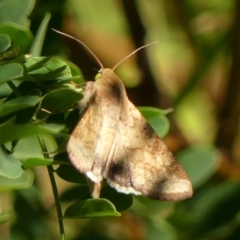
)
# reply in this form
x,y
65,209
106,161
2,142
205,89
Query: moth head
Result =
x,y
96,58
99,75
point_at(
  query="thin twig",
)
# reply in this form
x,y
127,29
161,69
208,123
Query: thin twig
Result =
x,y
54,188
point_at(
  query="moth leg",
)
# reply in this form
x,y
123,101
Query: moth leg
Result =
x,y
95,188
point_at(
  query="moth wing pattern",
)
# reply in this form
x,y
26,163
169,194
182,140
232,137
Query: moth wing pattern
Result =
x,y
142,164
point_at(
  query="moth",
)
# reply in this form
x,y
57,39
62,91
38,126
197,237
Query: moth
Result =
x,y
113,141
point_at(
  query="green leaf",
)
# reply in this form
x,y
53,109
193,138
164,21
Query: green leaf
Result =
x,y
21,37
91,208
23,151
34,63
16,11
35,162
56,69
10,132
5,42
157,119
18,104
58,100
71,174
10,71
24,181
200,163
10,167
36,48
54,74
75,71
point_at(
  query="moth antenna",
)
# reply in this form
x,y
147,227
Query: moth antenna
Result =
x,y
83,44
129,55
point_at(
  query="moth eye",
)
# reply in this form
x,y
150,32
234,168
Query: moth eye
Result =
x,y
99,75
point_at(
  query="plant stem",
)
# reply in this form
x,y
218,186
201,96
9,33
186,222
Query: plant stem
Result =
x,y
54,188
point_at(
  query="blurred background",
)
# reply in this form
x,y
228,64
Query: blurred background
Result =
x,y
194,69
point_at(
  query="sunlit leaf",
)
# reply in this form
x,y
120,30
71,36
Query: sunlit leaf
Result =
x,y
10,167
91,208
157,119
35,162
55,69
24,181
21,37
58,100
34,63
16,11
10,71
18,104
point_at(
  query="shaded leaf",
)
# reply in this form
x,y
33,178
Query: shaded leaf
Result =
x,y
25,115
5,42
70,174
18,104
80,192
121,201
218,205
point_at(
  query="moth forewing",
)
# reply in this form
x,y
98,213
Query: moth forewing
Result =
x,y
142,164
90,144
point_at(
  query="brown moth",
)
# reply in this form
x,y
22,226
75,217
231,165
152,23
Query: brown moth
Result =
x,y
113,141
